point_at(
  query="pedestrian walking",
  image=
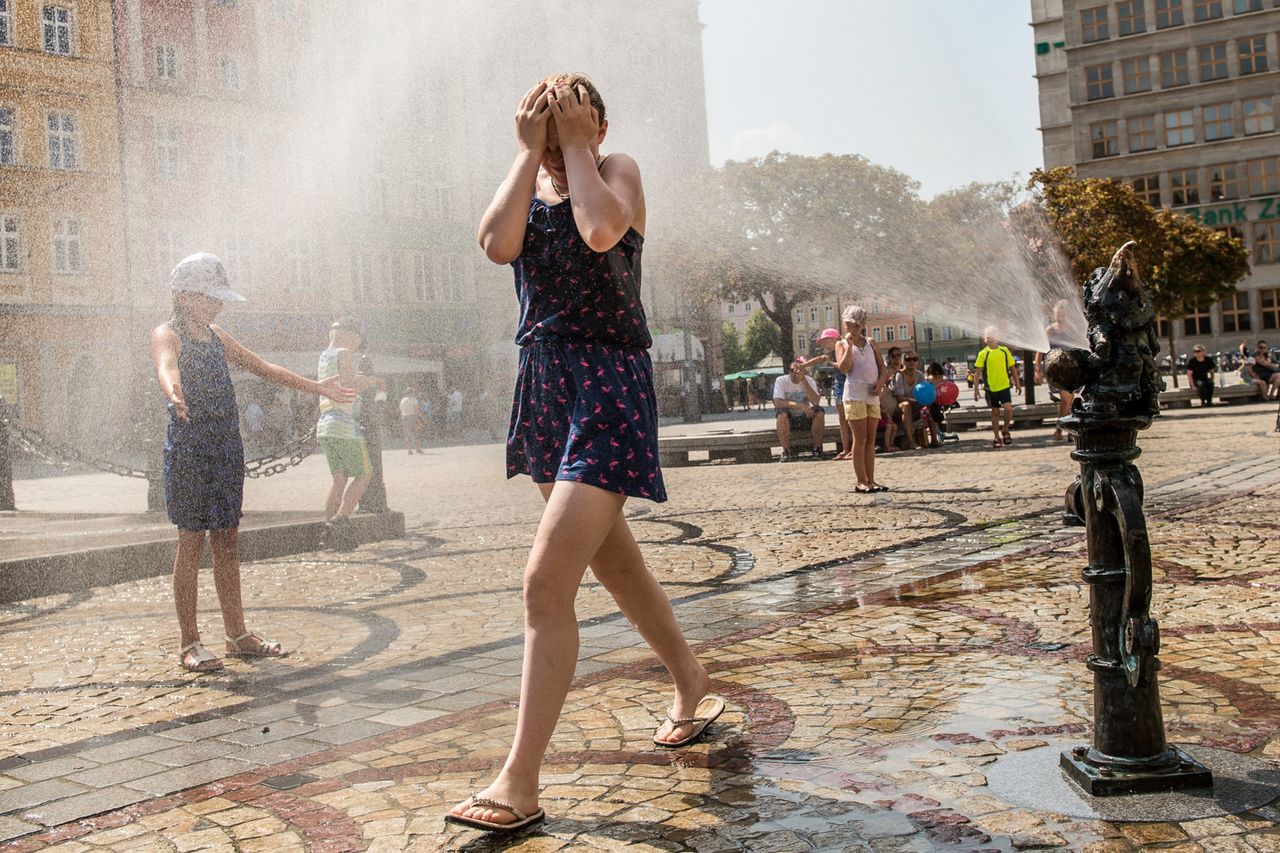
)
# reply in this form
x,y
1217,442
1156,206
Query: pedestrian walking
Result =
x,y
411,421
583,423
996,370
203,452
1056,332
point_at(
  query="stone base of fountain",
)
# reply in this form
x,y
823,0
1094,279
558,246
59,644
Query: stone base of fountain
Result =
x,y
44,553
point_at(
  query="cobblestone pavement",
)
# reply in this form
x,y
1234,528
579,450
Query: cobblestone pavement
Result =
x,y
877,657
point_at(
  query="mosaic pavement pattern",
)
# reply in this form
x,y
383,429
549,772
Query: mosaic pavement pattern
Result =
x,y
877,656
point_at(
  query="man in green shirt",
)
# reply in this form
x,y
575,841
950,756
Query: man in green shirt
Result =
x,y
996,369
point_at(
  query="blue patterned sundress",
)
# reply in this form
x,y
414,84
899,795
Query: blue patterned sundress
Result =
x,y
584,407
204,457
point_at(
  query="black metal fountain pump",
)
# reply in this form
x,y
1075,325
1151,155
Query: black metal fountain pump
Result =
x,y
1121,387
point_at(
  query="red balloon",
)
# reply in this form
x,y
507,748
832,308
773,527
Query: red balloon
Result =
x,y
948,392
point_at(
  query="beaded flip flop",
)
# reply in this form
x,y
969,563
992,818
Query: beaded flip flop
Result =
x,y
706,713
521,821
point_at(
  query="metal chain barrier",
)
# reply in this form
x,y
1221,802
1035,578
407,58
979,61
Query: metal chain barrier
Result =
x,y
283,459
63,456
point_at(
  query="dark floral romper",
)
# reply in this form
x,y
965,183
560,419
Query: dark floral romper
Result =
x,y
584,407
204,457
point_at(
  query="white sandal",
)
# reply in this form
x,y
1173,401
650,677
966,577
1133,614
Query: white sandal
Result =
x,y
265,648
202,660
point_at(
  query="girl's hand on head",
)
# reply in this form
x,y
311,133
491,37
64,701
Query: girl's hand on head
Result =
x,y
577,122
531,119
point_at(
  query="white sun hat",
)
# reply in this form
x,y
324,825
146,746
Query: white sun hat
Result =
x,y
203,273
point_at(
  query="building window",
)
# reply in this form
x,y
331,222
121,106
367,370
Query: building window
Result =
x,y
1235,313
1218,123
169,250
1258,115
1224,182
1197,322
299,263
799,317
6,22
1098,82
889,334
10,243
1093,24
830,313
813,316
229,69
1105,139
1243,6
168,151
8,155
1184,188
423,284
1253,54
1179,128
166,62
1213,61
1136,74
57,30
68,251
1266,242
237,159
1173,68
802,345
361,276
1168,14
1142,133
1148,189
1264,176
239,262
1270,307
902,333
928,334
1206,10
64,141
1131,17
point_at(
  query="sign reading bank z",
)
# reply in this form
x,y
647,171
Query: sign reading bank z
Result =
x,y
1254,210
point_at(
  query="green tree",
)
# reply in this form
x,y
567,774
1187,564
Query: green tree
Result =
x,y
761,338
732,349
785,229
1184,264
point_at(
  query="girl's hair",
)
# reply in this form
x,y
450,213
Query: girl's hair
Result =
x,y
855,314
575,79
935,369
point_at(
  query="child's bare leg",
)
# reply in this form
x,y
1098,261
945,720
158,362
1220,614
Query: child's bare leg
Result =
x,y
995,422
620,567
1008,416
846,431
333,499
226,577
574,525
864,447
868,426
351,499
186,585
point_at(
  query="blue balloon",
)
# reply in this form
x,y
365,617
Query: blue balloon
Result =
x,y
925,393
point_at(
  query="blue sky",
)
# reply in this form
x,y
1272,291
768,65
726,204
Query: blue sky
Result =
x,y
940,90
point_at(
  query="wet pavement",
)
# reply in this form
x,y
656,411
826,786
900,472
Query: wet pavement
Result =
x,y
881,659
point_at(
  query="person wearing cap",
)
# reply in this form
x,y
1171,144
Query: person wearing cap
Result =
x,y
1201,371
795,397
829,340
203,451
339,432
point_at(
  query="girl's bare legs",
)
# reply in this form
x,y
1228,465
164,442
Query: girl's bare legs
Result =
x,y
186,571
580,524
846,433
869,449
859,434
226,577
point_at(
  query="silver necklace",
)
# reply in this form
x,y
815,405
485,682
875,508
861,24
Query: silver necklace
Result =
x,y
564,195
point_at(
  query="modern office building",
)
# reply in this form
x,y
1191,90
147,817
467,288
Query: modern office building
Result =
x,y
1178,99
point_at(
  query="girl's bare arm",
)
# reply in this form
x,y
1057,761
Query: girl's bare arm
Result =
x,y
605,201
502,227
882,379
844,356
165,346
246,359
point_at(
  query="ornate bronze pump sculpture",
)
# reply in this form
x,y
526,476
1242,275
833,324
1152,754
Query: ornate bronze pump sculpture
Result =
x,y
1121,389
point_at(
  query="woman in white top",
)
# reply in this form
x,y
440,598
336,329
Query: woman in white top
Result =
x,y
865,375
